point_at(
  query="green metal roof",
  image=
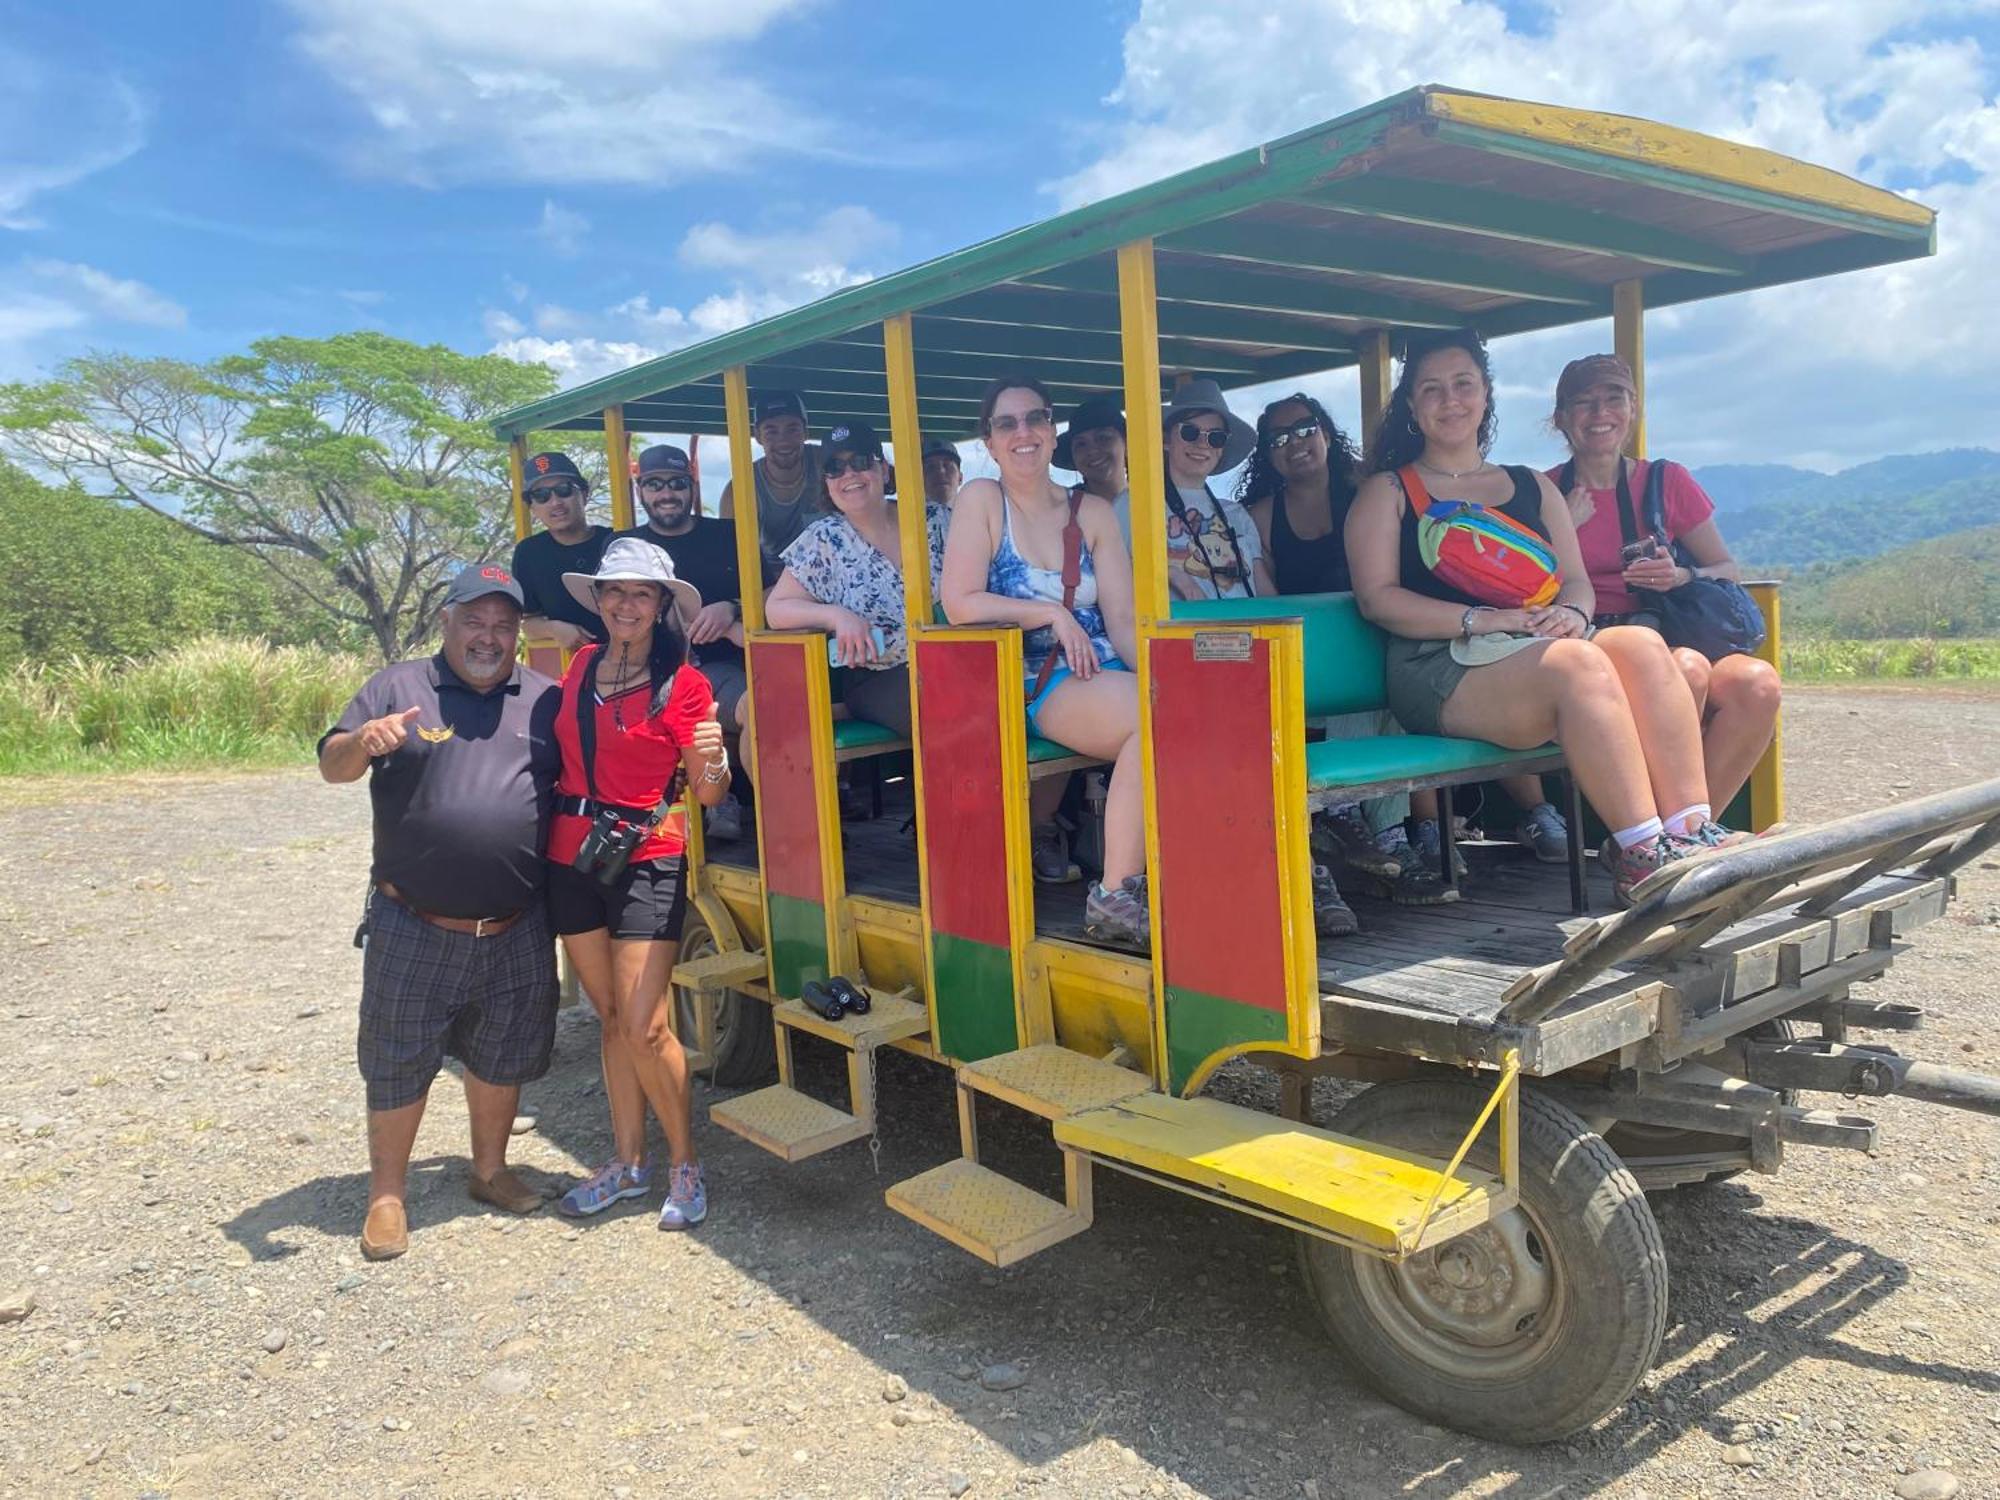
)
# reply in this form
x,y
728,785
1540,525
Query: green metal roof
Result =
x,y
1432,208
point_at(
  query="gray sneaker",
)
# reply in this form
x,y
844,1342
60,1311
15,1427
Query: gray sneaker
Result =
x,y
1117,918
1332,917
1049,853
1629,868
1545,834
1341,836
1430,846
724,822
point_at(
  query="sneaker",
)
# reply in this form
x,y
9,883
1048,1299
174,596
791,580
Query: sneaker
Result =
x,y
724,821
1049,853
1117,918
1629,868
1710,834
1430,846
1341,836
1545,834
607,1185
1418,881
687,1198
1332,917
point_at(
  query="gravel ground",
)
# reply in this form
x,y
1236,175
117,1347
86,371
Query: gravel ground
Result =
x,y
181,1184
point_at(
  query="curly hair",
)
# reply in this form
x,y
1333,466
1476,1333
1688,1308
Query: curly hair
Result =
x,y
1397,440
1261,476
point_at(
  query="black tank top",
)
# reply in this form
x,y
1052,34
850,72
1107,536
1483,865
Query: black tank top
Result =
x,y
1525,507
1316,565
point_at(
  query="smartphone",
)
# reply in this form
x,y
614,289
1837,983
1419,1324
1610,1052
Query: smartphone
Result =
x,y
1645,547
874,634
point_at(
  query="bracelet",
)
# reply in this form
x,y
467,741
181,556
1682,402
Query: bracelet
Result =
x,y
1465,620
1576,609
716,771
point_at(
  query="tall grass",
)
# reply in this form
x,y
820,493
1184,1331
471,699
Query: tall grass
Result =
x,y
1834,659
210,702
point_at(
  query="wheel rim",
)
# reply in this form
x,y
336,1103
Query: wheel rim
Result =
x,y
1485,1304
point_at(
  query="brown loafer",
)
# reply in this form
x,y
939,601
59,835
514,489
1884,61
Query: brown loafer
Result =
x,y
505,1191
385,1233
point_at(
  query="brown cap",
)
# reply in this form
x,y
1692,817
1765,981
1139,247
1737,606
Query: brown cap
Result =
x,y
1579,375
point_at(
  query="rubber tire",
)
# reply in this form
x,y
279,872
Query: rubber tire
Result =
x,y
1637,1142
1592,1221
746,1051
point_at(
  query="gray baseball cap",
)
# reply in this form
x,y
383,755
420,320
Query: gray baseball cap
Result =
x,y
477,580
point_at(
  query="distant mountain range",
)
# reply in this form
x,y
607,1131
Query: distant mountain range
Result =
x,y
1778,517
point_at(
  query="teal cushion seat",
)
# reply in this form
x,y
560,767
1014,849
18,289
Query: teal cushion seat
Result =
x,y
858,734
1040,749
1344,671
1392,757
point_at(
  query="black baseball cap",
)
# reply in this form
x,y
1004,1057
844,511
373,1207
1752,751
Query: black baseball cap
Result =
x,y
477,580
768,404
664,458
551,466
940,447
850,437
1088,416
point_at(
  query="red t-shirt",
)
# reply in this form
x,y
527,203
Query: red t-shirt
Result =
x,y
635,764
1602,539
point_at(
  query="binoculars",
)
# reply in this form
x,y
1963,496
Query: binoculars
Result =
x,y
835,997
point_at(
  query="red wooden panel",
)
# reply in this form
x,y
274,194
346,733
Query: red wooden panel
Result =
x,y
787,809
965,825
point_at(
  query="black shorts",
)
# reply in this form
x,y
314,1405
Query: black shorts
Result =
x,y
490,1002
645,904
728,681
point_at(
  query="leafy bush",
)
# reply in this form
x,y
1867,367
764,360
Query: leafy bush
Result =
x,y
1810,658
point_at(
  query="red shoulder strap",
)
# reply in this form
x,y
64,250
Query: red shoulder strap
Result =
x,y
1072,570
1420,498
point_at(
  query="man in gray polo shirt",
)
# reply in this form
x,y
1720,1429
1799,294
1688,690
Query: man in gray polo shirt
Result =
x,y
460,750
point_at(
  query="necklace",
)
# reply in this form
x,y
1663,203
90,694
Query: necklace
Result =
x,y
1454,474
798,489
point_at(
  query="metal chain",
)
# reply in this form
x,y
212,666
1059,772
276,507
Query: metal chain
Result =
x,y
874,1115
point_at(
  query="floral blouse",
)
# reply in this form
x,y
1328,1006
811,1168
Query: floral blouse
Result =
x,y
837,565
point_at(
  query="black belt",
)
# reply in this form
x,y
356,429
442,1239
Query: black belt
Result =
x,y
590,807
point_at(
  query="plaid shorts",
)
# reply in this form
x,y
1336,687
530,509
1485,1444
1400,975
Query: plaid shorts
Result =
x,y
490,1002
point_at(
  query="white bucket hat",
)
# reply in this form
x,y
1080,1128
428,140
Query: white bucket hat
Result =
x,y
629,558
1205,395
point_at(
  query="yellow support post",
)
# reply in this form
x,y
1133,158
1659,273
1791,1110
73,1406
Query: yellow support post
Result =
x,y
899,354
1139,323
1628,338
749,558
618,456
1767,777
517,478
1373,354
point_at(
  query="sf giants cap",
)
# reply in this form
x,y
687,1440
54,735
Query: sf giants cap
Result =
x,y
480,579
551,466
771,404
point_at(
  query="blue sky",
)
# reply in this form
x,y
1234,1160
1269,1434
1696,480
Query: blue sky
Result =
x,y
591,183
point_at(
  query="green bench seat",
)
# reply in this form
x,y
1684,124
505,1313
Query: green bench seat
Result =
x,y
865,734
1385,763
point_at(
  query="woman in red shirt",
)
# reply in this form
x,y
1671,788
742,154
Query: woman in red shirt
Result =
x,y
1597,402
635,715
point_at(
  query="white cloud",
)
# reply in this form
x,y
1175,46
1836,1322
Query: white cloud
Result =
x,y
60,125
576,360
532,90
501,324
112,298
818,258
1899,92
562,229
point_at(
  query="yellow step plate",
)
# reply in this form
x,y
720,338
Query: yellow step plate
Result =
x,y
720,971
786,1122
994,1217
1052,1081
1363,1194
890,1019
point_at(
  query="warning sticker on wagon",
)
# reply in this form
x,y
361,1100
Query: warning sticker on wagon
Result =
x,y
1222,645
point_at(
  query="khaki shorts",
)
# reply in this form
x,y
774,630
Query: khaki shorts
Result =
x,y
1424,674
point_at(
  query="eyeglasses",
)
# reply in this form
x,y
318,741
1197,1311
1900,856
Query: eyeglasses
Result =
x,y
1298,432
562,489
1038,420
1219,438
855,463
654,483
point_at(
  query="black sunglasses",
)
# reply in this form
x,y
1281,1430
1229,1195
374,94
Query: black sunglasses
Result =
x,y
852,463
652,484
1298,431
562,489
1190,433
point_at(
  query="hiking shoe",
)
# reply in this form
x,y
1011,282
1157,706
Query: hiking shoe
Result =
x,y
607,1185
1332,917
724,821
1049,853
687,1198
1418,882
1629,868
1545,834
1710,834
1341,835
1430,846
1117,918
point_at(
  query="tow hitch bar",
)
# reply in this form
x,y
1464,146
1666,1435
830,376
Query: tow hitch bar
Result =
x,y
1862,1072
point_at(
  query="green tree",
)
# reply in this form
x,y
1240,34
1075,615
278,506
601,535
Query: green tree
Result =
x,y
356,468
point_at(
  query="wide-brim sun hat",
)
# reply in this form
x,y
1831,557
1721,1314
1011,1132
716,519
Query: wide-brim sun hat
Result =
x,y
631,560
1205,395
1087,416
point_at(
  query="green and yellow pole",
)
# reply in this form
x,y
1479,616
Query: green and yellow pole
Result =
x,y
1139,324
517,479
749,560
618,457
1628,340
1373,355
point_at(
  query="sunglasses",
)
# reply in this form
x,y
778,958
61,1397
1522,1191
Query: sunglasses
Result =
x,y
677,483
1035,421
1190,433
1297,432
855,463
562,489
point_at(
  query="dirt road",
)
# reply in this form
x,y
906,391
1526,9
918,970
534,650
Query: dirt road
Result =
x,y
181,1183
